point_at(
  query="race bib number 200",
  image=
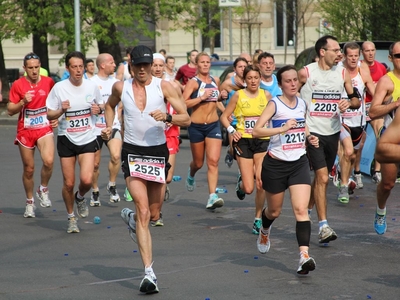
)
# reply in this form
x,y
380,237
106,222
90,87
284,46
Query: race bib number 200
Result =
x,y
149,168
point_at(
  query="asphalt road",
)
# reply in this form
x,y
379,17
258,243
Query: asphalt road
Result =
x,y
198,254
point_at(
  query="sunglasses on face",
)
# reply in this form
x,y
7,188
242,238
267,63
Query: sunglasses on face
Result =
x,y
396,55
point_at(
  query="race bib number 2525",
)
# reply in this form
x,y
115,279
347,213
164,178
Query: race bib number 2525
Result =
x,y
149,168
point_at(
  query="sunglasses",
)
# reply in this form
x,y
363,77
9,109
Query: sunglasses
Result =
x,y
31,56
396,55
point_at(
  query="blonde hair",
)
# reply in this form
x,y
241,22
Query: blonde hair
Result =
x,y
200,55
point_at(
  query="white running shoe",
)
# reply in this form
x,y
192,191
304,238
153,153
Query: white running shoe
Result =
x,y
81,207
43,197
94,199
263,242
114,196
306,264
73,225
128,216
30,210
149,284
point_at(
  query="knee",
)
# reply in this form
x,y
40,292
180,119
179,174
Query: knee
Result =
x,y
212,163
48,163
69,186
143,215
386,186
322,179
273,214
248,189
29,171
96,166
197,165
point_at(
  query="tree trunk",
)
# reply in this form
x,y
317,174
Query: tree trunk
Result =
x,y
4,80
40,47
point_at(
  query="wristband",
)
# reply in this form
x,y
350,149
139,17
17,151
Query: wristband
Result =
x,y
231,130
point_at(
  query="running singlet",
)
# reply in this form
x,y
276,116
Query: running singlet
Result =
x,y
272,87
77,122
322,93
395,95
33,114
140,128
288,146
377,71
203,86
354,117
248,111
105,87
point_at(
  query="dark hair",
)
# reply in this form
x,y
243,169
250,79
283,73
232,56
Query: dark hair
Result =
x,y
282,70
169,57
128,50
250,68
194,50
237,61
88,61
265,55
258,51
391,48
352,46
29,56
162,51
75,54
322,41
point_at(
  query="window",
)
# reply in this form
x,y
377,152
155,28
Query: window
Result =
x,y
285,16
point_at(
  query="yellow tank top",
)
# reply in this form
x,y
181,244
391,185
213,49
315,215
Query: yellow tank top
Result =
x,y
247,112
396,82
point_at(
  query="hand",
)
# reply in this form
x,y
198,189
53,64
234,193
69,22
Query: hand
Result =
x,y
27,98
236,136
224,94
106,133
292,123
65,105
230,118
158,115
343,105
207,93
313,140
95,109
54,123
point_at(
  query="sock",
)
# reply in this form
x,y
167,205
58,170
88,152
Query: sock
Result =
x,y
111,183
322,223
80,198
30,201
71,216
377,171
95,190
212,195
149,270
381,212
42,188
266,223
357,172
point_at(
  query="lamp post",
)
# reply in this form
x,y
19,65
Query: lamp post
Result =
x,y
77,25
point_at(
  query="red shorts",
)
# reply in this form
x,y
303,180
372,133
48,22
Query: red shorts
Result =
x,y
29,138
173,144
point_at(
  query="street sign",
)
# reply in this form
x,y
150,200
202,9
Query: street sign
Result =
x,y
229,3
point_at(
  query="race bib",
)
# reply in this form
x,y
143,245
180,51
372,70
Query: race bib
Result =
x,y
249,123
149,168
214,94
100,121
294,138
324,105
78,121
36,118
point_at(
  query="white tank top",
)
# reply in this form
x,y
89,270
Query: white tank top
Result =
x,y
322,93
289,146
140,128
105,86
355,117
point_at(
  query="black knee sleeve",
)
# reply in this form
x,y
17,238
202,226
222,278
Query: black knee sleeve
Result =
x,y
303,232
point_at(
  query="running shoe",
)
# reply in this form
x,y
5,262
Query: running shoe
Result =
x,y
81,207
343,196
149,284
332,172
30,210
214,202
166,196
94,199
72,225
158,222
239,192
397,180
112,190
228,157
127,195
376,177
336,176
380,223
263,242
43,197
306,264
256,226
359,183
129,218
326,234
190,182
351,186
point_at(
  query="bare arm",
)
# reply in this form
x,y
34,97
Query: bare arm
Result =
x,y
260,131
113,100
354,102
302,73
366,76
229,109
120,72
388,146
383,92
181,118
190,87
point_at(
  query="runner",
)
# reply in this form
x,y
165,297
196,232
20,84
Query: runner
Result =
x,y
75,102
266,63
286,165
144,151
28,98
187,71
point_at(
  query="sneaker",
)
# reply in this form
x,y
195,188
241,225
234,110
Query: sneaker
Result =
x,y
43,197
263,242
343,196
94,199
326,234
351,186
228,157
72,225
380,224
214,202
159,222
127,195
81,207
397,180
306,264
30,210
149,284
376,177
166,196
239,192
112,190
332,172
336,175
256,226
359,183
129,218
190,182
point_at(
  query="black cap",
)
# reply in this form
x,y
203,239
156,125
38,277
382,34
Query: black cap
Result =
x,y
141,55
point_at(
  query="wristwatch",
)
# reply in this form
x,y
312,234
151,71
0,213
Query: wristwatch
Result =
x,y
168,118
